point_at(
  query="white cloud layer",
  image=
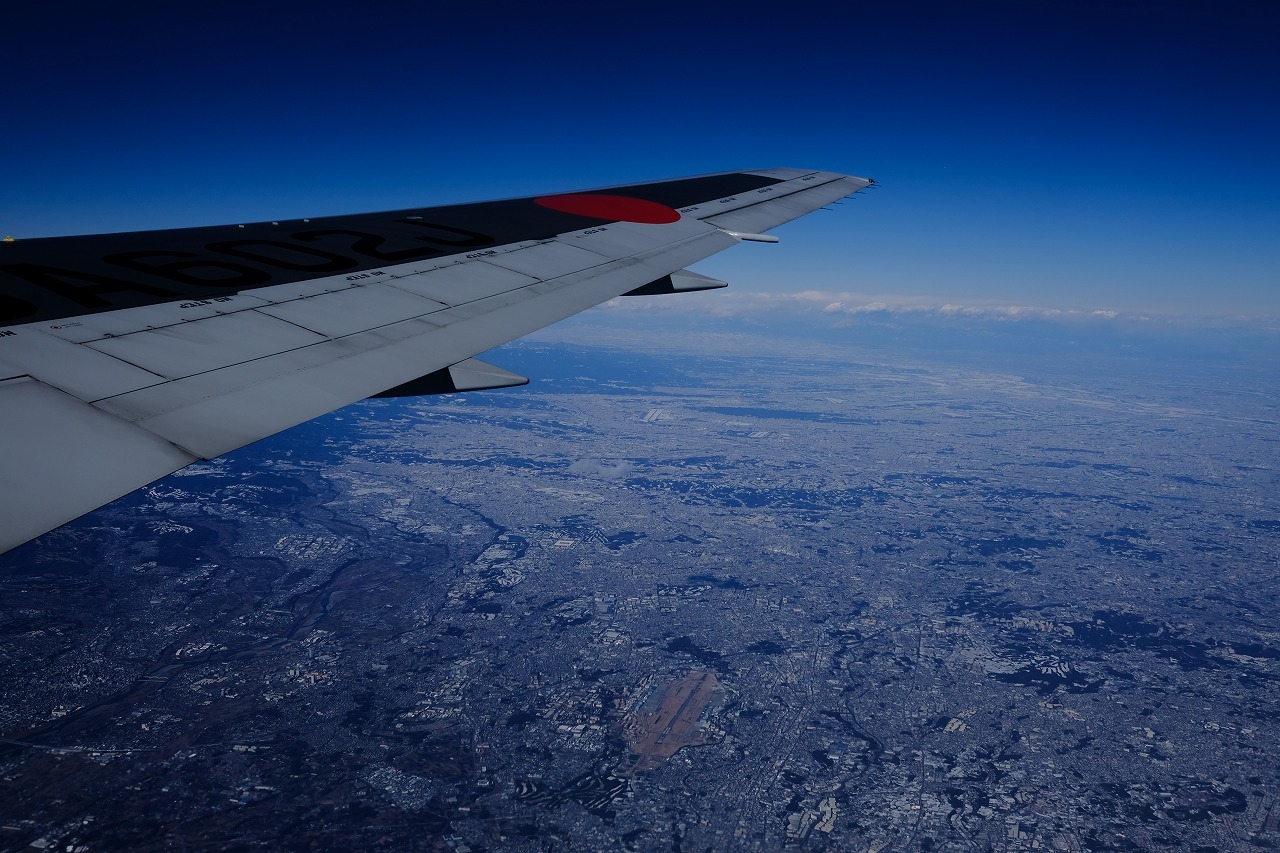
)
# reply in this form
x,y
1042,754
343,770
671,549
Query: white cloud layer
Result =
x,y
731,303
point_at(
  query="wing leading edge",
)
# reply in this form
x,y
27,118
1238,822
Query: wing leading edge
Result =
x,y
124,357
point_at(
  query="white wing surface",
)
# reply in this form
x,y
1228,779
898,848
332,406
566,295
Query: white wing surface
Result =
x,y
128,356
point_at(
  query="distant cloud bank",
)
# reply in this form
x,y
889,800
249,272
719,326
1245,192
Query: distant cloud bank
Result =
x,y
820,322
922,305
861,307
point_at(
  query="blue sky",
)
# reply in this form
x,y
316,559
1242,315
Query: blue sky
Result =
x,y
1073,155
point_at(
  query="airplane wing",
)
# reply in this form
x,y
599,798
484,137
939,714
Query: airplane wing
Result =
x,y
124,357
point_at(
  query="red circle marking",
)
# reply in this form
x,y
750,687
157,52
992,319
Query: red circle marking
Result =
x,y
619,208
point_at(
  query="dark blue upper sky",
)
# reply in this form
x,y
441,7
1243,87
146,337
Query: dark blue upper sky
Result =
x,y
1097,155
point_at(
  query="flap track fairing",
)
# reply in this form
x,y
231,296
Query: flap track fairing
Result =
x,y
469,375
682,281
